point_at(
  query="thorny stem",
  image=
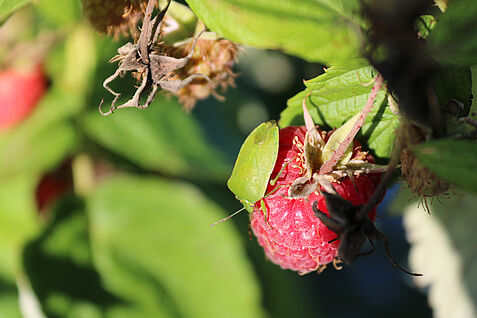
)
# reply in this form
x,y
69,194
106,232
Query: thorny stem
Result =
x,y
328,166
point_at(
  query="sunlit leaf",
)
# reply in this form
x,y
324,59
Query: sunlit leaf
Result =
x,y
8,7
18,223
44,139
316,30
255,163
34,153
337,138
58,13
339,94
153,246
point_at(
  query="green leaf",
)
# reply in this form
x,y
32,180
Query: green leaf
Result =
x,y
59,13
44,139
425,24
444,250
255,163
185,18
18,223
9,305
453,160
153,245
79,61
335,140
59,266
33,153
454,39
161,138
8,7
316,30
453,82
339,94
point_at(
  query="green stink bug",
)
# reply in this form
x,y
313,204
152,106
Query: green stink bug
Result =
x,y
254,165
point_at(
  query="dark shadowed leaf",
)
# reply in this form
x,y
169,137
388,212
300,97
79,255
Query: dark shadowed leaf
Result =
x,y
316,30
153,246
453,82
454,39
453,160
9,305
59,267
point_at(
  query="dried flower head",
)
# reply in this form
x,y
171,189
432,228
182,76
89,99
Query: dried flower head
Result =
x,y
214,57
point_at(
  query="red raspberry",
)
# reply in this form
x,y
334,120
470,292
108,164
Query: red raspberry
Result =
x,y
290,234
53,185
20,91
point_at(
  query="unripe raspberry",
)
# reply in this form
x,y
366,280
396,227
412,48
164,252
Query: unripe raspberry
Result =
x,y
291,235
422,181
213,57
114,17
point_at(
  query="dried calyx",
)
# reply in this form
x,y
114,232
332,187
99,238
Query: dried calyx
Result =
x,y
156,71
321,148
191,69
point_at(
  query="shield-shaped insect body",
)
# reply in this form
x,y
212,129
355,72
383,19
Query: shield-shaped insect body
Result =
x,y
254,165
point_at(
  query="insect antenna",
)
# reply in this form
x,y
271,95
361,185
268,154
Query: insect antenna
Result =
x,y
228,217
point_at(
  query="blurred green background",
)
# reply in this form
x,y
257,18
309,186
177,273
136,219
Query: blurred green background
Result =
x,y
129,235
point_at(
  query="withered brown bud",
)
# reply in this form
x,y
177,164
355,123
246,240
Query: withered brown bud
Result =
x,y
213,57
115,17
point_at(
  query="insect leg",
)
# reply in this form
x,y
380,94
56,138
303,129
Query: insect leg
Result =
x,y
336,226
391,259
370,251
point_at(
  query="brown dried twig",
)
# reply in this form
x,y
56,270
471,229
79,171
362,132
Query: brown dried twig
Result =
x,y
154,69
